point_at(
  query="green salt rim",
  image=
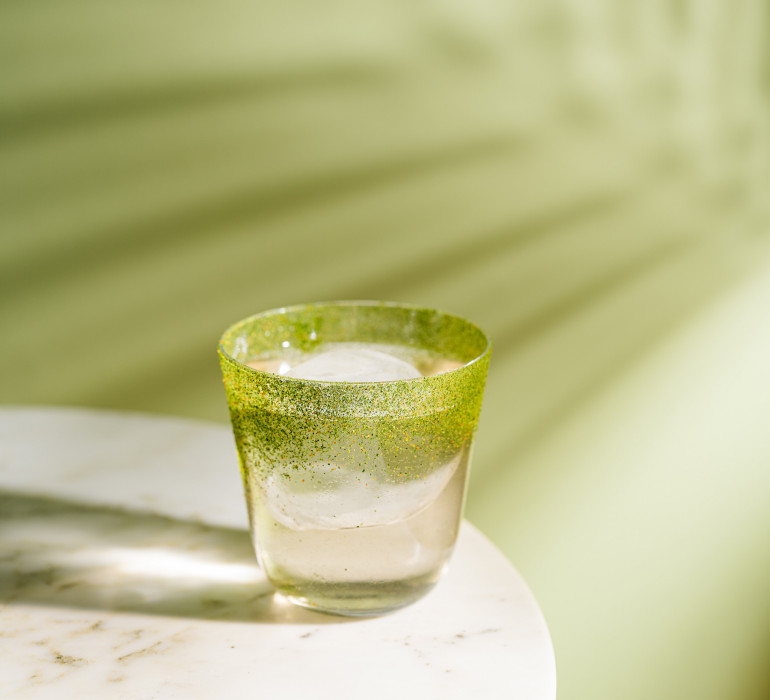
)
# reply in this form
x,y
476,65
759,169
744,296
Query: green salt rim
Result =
x,y
306,327
279,422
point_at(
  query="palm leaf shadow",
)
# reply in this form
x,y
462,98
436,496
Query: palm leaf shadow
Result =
x,y
60,553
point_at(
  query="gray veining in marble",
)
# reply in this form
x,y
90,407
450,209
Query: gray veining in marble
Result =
x,y
126,571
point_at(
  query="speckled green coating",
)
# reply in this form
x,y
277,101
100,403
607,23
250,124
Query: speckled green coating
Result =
x,y
400,429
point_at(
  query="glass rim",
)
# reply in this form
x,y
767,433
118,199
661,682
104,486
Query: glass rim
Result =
x,y
353,303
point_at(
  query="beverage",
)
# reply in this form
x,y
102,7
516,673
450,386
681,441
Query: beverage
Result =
x,y
366,568
357,539
354,424
423,362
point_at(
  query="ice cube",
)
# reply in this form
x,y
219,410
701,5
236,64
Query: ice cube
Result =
x,y
328,496
334,491
354,365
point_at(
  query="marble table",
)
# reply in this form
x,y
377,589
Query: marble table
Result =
x,y
126,571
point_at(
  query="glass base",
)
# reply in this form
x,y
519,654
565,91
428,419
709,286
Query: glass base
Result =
x,y
356,599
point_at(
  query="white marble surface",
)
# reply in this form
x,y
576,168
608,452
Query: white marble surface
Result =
x,y
126,571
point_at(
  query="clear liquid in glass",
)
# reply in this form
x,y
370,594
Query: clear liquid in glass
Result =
x,y
352,541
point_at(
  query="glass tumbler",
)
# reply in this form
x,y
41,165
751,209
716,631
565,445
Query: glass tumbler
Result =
x,y
354,474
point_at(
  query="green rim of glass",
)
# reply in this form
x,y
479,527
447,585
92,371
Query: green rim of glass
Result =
x,y
305,327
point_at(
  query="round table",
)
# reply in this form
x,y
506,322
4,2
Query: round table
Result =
x,y
126,571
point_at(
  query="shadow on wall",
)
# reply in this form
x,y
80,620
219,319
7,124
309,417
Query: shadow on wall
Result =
x,y
511,163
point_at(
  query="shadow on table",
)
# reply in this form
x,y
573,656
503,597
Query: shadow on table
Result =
x,y
60,553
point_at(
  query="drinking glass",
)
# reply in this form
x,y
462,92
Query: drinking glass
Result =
x,y
355,488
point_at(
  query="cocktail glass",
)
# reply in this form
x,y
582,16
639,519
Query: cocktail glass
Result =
x,y
355,489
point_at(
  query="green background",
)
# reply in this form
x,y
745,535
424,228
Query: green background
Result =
x,y
585,180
